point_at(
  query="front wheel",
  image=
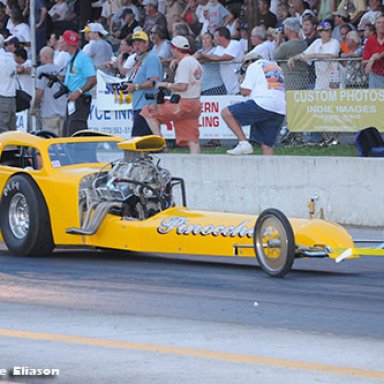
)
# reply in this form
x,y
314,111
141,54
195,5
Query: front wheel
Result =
x,y
24,218
274,243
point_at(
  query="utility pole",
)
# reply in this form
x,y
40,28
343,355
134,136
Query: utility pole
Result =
x,y
252,13
33,56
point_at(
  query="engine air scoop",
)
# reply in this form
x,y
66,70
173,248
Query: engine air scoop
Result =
x,y
143,144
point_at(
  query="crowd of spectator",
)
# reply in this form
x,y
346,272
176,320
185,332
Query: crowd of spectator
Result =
x,y
317,43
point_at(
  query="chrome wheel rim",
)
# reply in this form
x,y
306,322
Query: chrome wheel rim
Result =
x,y
19,216
272,244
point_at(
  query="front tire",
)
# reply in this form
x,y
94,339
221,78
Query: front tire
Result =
x,y
274,243
24,218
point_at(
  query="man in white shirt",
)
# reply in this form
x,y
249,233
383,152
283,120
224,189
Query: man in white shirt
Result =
x,y
264,110
263,47
229,53
7,90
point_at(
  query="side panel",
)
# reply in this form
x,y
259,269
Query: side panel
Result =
x,y
181,231
204,233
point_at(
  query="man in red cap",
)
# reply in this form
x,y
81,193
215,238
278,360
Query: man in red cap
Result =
x,y
185,114
80,78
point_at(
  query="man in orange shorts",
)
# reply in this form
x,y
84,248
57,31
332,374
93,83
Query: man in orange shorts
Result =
x,y
185,114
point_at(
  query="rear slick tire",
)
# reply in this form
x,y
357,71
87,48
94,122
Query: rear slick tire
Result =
x,y
24,218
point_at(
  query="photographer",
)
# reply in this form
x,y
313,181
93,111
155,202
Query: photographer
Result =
x,y
146,70
264,110
185,114
52,110
80,78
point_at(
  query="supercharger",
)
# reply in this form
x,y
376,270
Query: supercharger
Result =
x,y
135,188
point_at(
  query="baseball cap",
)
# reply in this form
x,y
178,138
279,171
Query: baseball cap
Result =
x,y
127,11
95,27
324,26
71,38
151,2
341,12
181,42
12,40
140,35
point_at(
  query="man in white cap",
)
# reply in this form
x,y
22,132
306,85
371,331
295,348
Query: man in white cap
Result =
x,y
187,88
264,110
98,49
7,90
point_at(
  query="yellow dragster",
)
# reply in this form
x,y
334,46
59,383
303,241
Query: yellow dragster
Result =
x,y
101,191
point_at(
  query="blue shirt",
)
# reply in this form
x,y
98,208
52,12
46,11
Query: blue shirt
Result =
x,y
77,74
150,67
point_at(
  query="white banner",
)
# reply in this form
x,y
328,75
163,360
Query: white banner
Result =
x,y
119,121
110,96
22,121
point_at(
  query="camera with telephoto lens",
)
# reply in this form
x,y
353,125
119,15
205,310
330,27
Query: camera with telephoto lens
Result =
x,y
52,79
158,96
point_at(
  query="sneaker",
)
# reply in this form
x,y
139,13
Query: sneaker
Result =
x,y
243,148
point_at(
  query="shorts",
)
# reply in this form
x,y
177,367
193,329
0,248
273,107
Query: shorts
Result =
x,y
265,125
184,115
140,126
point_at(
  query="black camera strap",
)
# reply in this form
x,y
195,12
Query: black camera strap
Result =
x,y
72,61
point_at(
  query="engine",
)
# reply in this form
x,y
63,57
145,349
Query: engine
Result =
x,y
135,188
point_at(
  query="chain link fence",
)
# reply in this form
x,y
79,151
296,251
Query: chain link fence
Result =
x,y
224,79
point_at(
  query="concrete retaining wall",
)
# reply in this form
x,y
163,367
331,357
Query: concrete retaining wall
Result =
x,y
350,189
